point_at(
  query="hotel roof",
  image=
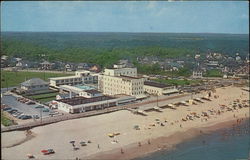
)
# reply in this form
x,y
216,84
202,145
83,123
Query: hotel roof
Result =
x,y
129,77
34,82
66,77
92,91
155,84
82,100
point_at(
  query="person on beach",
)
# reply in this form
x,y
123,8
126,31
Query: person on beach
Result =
x,y
139,144
204,142
180,126
148,141
122,151
98,146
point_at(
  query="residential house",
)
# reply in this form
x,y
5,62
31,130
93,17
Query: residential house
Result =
x,y
82,66
35,85
95,68
197,74
70,67
46,65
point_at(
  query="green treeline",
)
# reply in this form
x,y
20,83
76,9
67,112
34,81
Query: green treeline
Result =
x,y
107,48
104,57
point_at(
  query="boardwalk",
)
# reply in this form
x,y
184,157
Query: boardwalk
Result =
x,y
85,114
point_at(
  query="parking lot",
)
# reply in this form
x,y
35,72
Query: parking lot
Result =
x,y
26,109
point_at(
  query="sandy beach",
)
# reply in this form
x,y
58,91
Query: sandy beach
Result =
x,y
133,142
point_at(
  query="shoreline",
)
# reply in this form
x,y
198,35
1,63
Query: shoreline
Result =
x,y
168,143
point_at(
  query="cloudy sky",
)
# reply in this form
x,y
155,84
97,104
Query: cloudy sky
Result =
x,y
128,16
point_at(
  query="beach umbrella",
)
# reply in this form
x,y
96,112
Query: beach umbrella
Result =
x,y
72,142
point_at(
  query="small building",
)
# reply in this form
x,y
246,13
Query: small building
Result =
x,y
67,80
159,89
95,68
90,93
70,67
87,76
46,65
35,85
197,74
65,95
81,66
80,77
82,104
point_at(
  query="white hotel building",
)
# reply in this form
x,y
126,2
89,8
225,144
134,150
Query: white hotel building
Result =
x,y
120,80
80,77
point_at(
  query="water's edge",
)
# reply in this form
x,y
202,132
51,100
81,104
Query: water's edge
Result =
x,y
229,143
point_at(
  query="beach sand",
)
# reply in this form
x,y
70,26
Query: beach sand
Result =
x,y
96,128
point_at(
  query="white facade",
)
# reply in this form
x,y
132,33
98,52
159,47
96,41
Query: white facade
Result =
x,y
90,93
159,89
197,74
80,77
121,81
69,80
121,85
101,103
121,71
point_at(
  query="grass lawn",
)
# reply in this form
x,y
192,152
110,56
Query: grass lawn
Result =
x,y
44,100
11,79
45,97
5,120
213,73
40,96
178,82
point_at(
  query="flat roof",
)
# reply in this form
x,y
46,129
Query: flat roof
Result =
x,y
129,77
120,68
71,88
155,84
92,91
82,100
66,77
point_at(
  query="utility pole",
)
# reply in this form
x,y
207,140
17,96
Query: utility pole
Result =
x,y
157,100
6,81
41,114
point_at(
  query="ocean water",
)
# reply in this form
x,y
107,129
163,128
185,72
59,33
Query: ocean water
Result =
x,y
225,144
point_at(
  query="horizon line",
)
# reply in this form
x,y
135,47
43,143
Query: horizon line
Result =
x,y
126,32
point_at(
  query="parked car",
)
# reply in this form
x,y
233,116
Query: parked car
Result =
x,y
17,114
39,106
11,111
30,102
36,116
23,117
45,110
7,108
53,113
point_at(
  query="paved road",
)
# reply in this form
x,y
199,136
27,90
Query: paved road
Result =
x,y
3,90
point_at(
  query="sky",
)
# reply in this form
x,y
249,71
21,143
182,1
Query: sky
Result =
x,y
127,16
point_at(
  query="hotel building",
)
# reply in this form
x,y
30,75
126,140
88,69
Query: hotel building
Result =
x,y
120,80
